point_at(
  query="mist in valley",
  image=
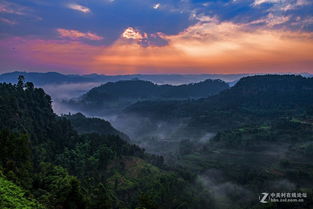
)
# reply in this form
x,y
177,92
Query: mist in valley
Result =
x,y
156,137
64,92
181,146
170,139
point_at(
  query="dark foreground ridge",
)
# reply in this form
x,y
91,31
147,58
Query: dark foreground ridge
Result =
x,y
50,165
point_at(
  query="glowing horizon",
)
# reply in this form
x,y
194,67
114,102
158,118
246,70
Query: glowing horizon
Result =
x,y
205,44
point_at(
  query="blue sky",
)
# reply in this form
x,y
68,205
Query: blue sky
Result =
x,y
102,23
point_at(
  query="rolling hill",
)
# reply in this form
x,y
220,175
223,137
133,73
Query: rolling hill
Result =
x,y
252,97
114,96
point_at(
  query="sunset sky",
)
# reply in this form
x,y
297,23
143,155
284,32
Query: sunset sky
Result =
x,y
156,36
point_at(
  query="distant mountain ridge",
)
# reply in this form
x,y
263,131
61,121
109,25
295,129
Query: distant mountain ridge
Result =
x,y
43,78
48,78
59,78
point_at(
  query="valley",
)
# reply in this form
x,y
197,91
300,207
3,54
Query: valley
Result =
x,y
209,152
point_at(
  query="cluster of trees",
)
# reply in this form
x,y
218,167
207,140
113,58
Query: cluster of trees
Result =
x,y
13,196
85,125
44,156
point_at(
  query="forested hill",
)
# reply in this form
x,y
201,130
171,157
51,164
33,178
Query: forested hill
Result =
x,y
139,89
114,96
85,125
268,91
48,164
250,98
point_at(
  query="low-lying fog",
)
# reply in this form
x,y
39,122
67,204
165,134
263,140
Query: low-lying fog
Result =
x,y
165,138
158,137
66,91
155,137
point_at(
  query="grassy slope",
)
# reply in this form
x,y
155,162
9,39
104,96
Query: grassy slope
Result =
x,y
13,196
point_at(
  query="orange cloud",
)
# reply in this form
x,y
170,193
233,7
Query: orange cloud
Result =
x,y
131,33
74,34
212,47
207,47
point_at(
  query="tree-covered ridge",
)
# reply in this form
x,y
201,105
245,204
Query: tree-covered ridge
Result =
x,y
250,98
25,108
114,96
42,153
139,89
85,125
269,91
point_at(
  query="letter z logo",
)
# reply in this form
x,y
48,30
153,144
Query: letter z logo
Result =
x,y
263,199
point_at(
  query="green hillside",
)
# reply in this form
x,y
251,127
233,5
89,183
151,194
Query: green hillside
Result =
x,y
43,154
14,197
112,97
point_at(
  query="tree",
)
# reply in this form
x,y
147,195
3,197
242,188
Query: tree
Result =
x,y
15,157
146,202
29,86
20,83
